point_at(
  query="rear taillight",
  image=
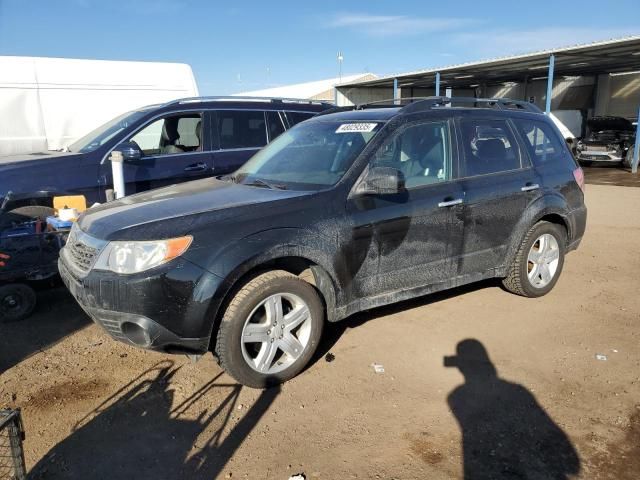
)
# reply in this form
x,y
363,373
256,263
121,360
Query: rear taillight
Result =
x,y
578,174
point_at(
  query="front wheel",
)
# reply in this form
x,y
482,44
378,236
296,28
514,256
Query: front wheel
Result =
x,y
270,330
538,262
628,158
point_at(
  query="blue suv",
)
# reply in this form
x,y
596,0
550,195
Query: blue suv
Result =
x,y
175,142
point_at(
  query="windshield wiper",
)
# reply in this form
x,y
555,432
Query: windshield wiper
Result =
x,y
231,178
258,182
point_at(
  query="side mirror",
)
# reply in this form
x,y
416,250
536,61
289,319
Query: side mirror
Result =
x,y
381,181
130,151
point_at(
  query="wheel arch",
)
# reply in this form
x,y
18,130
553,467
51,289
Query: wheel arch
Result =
x,y
43,198
550,208
304,265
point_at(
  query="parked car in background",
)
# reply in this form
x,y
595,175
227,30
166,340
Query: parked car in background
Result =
x,y
170,143
347,211
610,140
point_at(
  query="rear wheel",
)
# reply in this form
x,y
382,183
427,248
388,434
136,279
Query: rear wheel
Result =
x,y
17,302
538,262
270,330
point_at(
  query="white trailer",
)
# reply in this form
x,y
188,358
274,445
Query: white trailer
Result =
x,y
48,103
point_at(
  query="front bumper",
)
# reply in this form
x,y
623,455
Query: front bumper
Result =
x,y
164,309
599,156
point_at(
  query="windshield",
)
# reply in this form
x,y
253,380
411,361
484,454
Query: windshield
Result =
x,y
310,156
104,133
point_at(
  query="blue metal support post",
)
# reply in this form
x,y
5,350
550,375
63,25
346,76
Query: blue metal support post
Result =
x,y
552,66
636,148
437,84
396,96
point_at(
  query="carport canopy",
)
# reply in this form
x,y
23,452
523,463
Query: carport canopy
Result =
x,y
611,56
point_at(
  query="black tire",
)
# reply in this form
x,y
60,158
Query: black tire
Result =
x,y
17,302
586,163
24,214
517,279
628,158
228,346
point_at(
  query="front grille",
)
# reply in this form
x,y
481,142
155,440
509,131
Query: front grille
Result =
x,y
82,250
81,255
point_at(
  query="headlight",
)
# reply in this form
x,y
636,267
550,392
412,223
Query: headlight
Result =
x,y
134,257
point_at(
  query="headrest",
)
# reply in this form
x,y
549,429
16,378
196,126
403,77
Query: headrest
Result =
x,y
491,149
170,131
199,131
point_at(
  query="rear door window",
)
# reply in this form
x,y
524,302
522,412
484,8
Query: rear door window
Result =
x,y
241,129
489,147
541,142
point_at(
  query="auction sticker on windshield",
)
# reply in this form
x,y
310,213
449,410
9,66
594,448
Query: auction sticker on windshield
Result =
x,y
356,127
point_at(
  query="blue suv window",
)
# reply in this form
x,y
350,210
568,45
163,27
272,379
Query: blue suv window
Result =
x,y
241,129
276,124
297,117
171,135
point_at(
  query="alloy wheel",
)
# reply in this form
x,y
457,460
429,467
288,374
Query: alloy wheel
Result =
x,y
276,333
542,261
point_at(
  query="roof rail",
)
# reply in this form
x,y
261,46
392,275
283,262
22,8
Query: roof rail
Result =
x,y
301,101
499,103
419,104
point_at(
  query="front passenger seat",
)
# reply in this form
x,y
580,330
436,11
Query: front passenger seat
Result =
x,y
170,136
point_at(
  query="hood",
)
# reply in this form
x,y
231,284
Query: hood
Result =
x,y
175,210
37,172
599,124
32,157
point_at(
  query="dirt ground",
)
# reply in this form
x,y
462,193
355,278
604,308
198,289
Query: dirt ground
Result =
x,y
540,405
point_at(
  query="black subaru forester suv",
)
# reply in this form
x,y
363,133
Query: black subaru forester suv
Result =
x,y
354,208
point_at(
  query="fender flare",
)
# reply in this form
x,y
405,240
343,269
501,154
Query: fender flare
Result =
x,y
548,204
235,261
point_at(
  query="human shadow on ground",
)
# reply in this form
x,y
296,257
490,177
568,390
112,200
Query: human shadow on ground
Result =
x,y
505,431
57,316
139,433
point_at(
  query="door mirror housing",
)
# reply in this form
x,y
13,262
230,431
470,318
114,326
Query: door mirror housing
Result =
x,y
381,181
131,152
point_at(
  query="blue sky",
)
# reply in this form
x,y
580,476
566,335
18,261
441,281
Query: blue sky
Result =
x,y
241,45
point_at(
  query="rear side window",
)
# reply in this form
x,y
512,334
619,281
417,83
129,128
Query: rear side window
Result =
x,y
241,129
275,124
540,141
489,147
297,117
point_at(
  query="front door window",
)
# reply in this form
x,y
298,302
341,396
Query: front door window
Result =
x,y
171,135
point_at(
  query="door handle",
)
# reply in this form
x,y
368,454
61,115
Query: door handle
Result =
x,y
450,203
530,186
196,167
